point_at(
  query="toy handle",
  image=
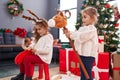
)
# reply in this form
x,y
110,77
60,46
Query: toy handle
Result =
x,y
79,59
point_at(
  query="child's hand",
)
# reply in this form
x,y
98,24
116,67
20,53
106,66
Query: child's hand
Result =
x,y
33,50
29,48
66,32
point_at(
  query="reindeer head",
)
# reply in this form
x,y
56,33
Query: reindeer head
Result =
x,y
58,21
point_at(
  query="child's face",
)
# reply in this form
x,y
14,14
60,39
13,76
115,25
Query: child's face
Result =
x,y
86,19
41,30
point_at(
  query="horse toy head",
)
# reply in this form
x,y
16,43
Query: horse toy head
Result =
x,y
58,21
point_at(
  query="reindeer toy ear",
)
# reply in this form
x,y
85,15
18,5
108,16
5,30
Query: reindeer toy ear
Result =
x,y
58,21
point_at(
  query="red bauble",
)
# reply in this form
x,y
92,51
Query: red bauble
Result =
x,y
117,24
107,5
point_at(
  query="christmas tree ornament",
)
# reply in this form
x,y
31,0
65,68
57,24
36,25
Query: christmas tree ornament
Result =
x,y
118,48
107,5
97,3
105,26
117,25
103,9
87,0
101,26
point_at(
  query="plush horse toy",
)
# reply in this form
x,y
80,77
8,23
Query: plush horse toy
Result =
x,y
60,21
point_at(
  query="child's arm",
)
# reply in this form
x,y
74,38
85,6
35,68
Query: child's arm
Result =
x,y
48,46
24,47
84,36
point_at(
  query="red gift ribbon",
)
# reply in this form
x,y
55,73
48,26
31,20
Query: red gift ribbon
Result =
x,y
100,40
116,68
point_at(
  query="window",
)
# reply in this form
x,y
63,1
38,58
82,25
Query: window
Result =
x,y
66,5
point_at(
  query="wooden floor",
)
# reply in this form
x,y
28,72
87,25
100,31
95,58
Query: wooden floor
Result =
x,y
53,71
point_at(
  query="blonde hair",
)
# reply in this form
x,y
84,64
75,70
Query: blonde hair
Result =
x,y
92,12
41,23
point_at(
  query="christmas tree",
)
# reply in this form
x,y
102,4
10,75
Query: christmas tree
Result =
x,y
106,24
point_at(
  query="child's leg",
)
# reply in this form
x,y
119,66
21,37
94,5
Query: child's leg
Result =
x,y
46,71
88,63
21,67
28,64
40,71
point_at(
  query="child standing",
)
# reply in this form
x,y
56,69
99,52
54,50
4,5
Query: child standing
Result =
x,y
41,48
86,40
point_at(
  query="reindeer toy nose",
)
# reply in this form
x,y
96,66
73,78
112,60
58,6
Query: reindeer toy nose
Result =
x,y
51,23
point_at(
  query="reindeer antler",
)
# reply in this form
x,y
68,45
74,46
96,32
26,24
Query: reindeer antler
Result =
x,y
33,14
29,18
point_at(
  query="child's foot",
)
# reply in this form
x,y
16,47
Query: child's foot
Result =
x,y
20,76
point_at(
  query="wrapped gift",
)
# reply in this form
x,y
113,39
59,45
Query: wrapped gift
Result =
x,y
64,46
19,40
1,38
103,65
116,66
100,74
9,38
101,43
116,73
65,57
104,75
62,60
101,69
103,60
116,60
74,66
